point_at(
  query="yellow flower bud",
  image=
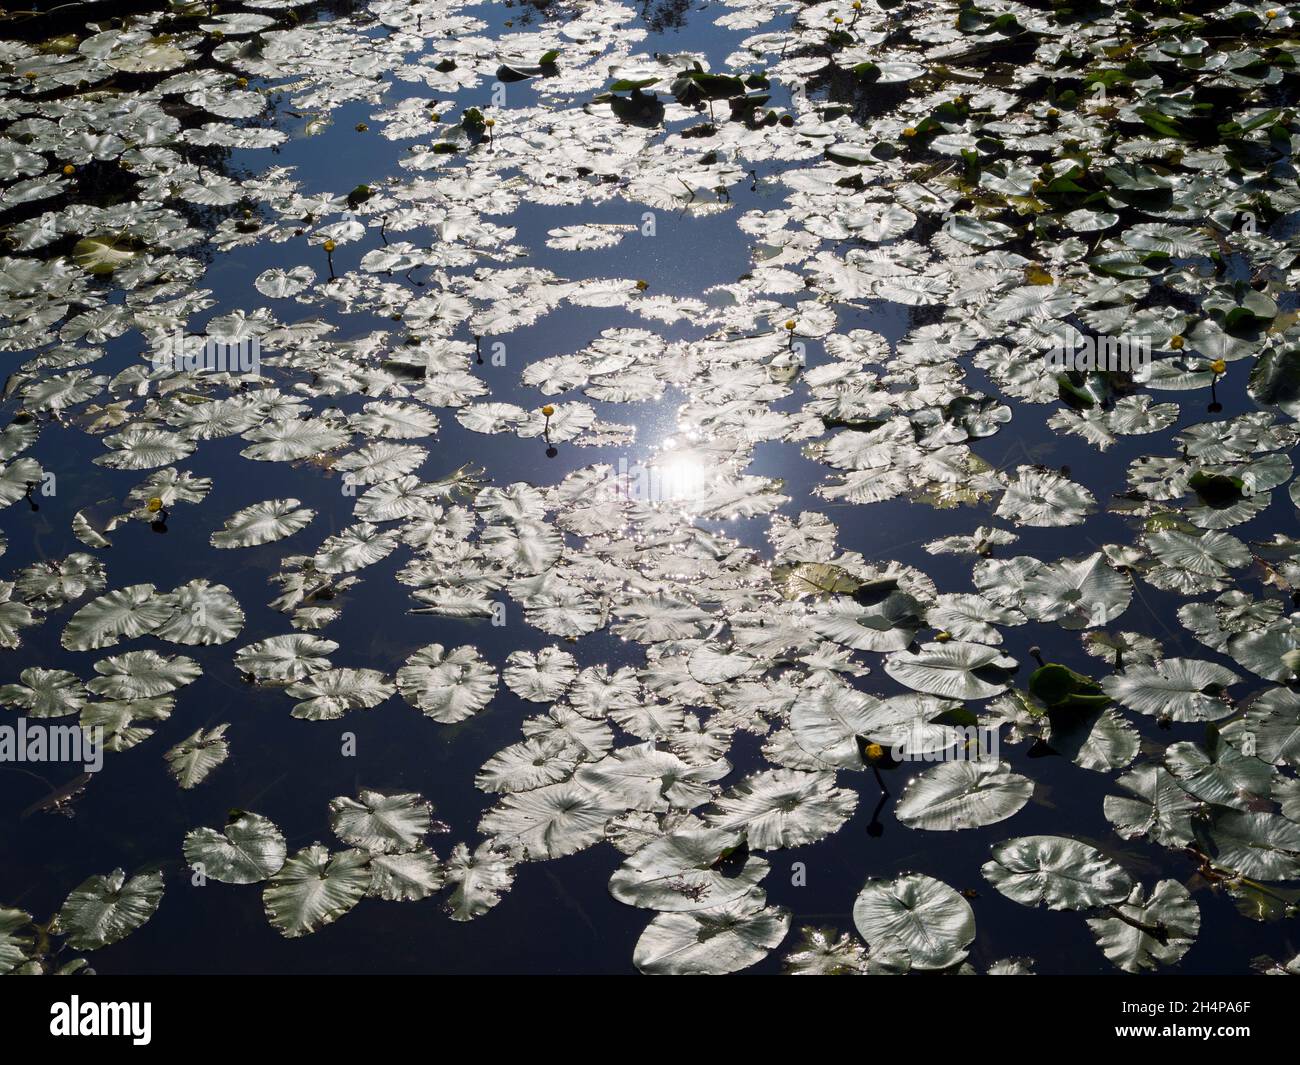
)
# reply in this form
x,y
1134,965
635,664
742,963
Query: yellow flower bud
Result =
x,y
873,753
1218,366
789,324
154,505
329,247
548,410
909,131
69,170
1176,342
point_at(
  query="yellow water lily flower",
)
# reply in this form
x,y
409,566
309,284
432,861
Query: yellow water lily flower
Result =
x,y
1218,366
154,505
548,410
329,247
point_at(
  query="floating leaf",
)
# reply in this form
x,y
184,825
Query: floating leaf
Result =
x,y
1261,846
1159,809
248,850
690,869
548,822
103,909
931,920
1147,932
447,686
284,659
381,824
103,254
1061,873
965,794
263,523
784,808
315,888
330,693
15,938
122,614
727,939
953,670
477,880
195,757
407,877
1183,689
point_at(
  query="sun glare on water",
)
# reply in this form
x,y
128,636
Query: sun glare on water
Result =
x,y
680,472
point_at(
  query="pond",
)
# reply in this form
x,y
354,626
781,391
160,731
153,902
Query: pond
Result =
x,y
682,487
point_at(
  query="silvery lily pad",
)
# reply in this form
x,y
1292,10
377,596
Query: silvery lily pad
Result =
x,y
248,850
926,916
103,909
726,939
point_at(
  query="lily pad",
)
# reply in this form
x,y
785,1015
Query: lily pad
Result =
x,y
929,918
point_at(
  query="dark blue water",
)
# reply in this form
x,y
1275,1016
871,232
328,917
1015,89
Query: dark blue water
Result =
x,y
559,916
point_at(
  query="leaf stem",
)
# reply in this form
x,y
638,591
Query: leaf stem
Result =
x,y
1156,931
